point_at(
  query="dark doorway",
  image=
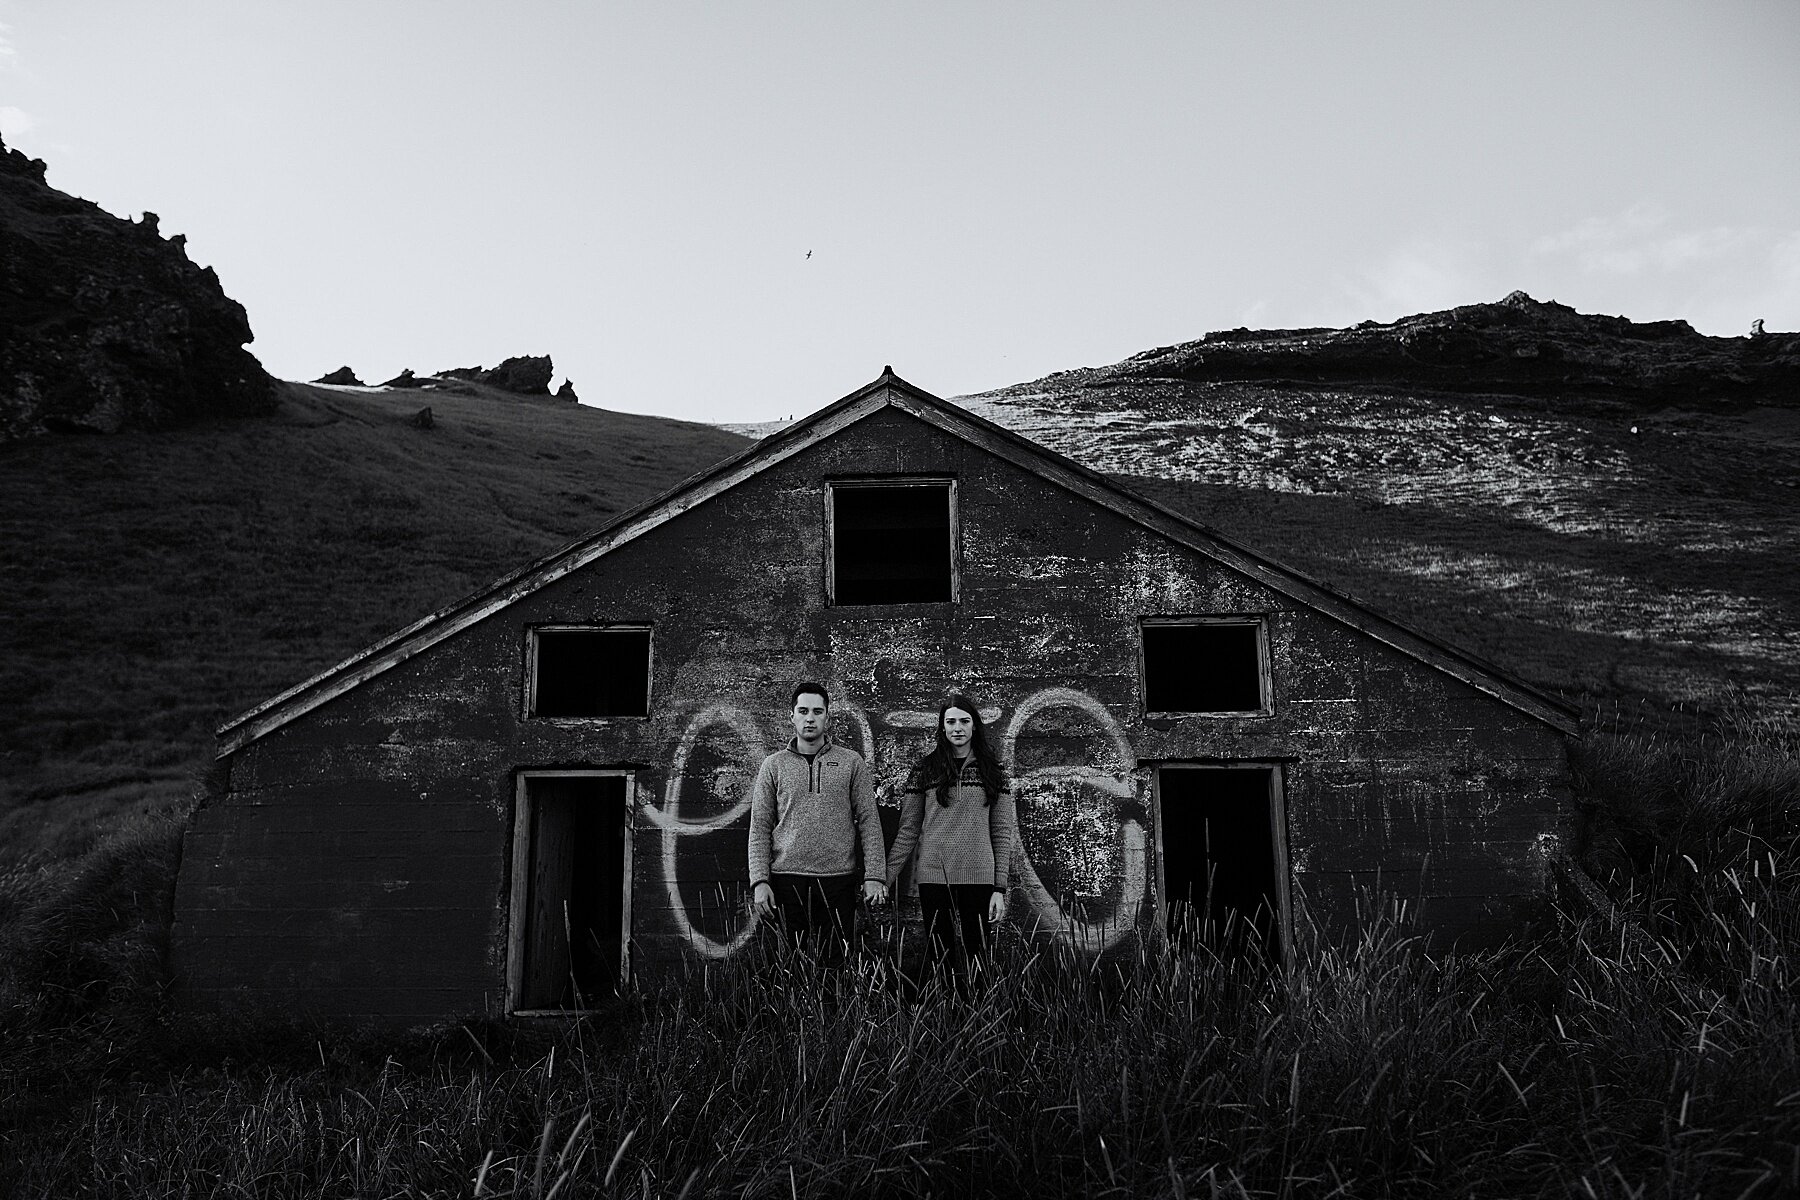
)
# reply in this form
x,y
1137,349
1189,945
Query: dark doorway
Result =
x,y
1222,853
569,896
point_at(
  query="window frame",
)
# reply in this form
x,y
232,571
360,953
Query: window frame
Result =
x,y
1265,670
519,887
947,482
533,647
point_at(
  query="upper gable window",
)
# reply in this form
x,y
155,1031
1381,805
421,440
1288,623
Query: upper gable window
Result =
x,y
579,671
1206,665
892,541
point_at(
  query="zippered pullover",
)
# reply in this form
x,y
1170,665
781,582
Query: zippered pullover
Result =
x,y
807,818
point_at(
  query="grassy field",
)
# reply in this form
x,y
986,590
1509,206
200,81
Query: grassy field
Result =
x,y
1652,1051
157,583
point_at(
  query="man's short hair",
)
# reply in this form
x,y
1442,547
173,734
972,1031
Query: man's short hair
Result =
x,y
812,687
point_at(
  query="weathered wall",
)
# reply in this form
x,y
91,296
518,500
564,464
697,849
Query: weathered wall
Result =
x,y
359,859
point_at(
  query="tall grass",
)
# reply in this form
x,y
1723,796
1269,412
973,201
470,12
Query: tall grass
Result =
x,y
1376,1070
1649,797
1652,1049
82,934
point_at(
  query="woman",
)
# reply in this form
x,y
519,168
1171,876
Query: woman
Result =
x,y
958,811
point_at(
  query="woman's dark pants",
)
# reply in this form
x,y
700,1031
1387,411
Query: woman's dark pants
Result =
x,y
956,927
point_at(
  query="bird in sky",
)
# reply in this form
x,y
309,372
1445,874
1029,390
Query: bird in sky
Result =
x,y
809,254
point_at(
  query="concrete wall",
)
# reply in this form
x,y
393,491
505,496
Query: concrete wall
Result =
x,y
359,860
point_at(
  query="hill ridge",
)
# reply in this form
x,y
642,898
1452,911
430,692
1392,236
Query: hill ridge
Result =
x,y
1517,346
1534,353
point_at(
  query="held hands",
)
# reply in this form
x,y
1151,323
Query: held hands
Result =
x,y
762,899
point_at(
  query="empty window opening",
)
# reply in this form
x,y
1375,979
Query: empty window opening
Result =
x,y
571,870
590,673
1204,667
1223,851
891,543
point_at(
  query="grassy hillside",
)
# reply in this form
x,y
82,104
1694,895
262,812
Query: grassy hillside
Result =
x,y
1607,551
153,584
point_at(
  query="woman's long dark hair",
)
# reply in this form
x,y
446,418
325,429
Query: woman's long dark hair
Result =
x,y
938,769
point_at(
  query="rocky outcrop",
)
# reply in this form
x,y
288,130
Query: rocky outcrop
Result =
x,y
343,376
567,391
105,324
1518,346
406,379
525,375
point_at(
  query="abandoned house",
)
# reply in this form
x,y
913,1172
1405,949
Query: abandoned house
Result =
x,y
518,801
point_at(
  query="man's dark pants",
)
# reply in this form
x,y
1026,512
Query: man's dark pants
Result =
x,y
818,911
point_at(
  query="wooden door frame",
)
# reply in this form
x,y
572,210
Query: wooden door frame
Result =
x,y
520,894
1284,871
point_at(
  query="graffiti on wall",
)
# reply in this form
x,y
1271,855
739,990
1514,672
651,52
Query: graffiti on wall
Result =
x,y
1079,797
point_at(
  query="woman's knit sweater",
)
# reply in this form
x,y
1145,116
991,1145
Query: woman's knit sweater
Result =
x,y
970,841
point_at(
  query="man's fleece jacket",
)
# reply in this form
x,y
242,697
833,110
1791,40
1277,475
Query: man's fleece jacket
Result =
x,y
805,817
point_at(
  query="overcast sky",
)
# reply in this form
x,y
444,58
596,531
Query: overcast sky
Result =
x,y
988,191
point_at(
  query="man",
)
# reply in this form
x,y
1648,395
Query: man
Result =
x,y
811,807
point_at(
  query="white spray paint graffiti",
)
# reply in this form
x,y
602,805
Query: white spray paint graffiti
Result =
x,y
1049,914
668,819
1096,935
